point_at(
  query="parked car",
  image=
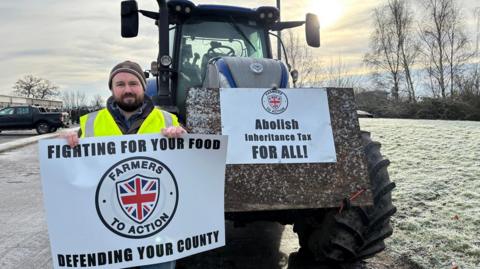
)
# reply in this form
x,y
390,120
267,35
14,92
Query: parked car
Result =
x,y
364,114
32,117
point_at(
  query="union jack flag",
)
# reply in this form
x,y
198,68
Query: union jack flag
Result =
x,y
138,196
275,101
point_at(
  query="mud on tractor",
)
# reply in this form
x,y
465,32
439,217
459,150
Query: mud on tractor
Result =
x,y
341,211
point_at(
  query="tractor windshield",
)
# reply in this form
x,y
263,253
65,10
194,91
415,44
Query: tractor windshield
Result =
x,y
203,40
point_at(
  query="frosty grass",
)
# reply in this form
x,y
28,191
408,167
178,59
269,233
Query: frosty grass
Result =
x,y
436,167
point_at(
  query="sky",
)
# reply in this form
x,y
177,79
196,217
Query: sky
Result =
x,y
74,44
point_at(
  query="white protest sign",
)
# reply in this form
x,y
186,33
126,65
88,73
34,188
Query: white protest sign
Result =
x,y
277,126
117,202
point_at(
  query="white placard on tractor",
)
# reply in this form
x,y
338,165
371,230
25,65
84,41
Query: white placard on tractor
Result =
x,y
277,126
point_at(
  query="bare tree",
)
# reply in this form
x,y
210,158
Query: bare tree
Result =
x,y
74,99
301,58
407,43
476,72
34,87
445,45
312,72
80,99
26,86
458,50
393,48
337,74
97,101
385,56
68,99
468,85
434,37
475,78
46,90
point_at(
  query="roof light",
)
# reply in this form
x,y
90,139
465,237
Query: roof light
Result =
x,y
180,8
269,14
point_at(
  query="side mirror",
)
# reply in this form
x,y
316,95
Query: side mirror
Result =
x,y
129,18
312,30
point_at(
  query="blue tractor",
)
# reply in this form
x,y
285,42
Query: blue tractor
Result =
x,y
217,46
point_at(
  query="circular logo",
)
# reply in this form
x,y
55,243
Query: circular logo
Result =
x,y
274,101
257,68
137,197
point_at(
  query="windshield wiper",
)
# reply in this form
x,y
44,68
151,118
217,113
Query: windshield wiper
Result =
x,y
235,26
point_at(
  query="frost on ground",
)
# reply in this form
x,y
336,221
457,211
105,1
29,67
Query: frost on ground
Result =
x,y
436,167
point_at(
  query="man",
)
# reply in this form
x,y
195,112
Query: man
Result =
x,y
128,111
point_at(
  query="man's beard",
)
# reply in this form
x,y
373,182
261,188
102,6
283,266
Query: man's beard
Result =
x,y
129,105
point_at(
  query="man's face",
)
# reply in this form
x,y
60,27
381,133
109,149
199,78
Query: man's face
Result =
x,y
127,91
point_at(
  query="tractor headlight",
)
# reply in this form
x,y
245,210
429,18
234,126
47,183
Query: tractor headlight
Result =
x,y
165,60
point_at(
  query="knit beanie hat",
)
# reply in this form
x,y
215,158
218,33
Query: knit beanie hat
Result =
x,y
129,67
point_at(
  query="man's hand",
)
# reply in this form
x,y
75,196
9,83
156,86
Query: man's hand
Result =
x,y
72,138
173,131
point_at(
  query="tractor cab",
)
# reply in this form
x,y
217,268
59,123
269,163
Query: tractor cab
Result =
x,y
202,39
194,36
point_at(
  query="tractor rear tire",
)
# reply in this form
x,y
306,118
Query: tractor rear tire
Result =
x,y
356,233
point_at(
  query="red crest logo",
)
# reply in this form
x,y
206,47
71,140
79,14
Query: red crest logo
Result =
x,y
274,101
138,196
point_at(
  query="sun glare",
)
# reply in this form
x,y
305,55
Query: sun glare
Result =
x,y
328,11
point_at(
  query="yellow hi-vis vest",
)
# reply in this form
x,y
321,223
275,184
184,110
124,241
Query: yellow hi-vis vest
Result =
x,y
102,123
